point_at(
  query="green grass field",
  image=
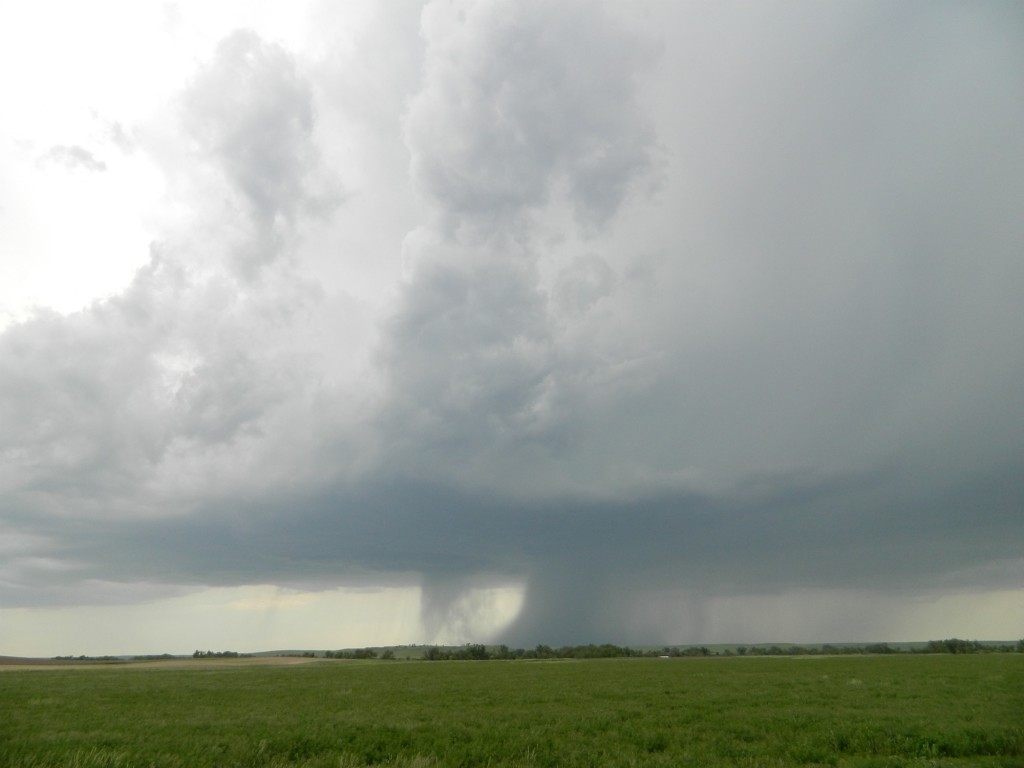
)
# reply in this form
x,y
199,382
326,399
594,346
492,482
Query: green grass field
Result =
x,y
938,710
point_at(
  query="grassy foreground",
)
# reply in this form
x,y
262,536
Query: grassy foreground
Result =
x,y
839,711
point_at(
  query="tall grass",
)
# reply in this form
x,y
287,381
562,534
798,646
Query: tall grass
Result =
x,y
861,711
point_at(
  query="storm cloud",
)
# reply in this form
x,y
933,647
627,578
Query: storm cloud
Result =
x,y
679,304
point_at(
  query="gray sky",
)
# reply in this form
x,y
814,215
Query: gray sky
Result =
x,y
578,322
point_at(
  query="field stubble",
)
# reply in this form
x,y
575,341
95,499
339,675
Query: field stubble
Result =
x,y
862,712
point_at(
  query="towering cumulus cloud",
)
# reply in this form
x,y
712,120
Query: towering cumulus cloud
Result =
x,y
516,119
513,119
249,117
514,100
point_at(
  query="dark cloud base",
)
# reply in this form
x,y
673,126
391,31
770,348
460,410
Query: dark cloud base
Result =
x,y
580,560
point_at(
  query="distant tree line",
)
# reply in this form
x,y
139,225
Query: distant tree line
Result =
x,y
478,652
360,653
220,655
955,645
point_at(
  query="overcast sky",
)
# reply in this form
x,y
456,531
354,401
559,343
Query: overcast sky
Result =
x,y
335,324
